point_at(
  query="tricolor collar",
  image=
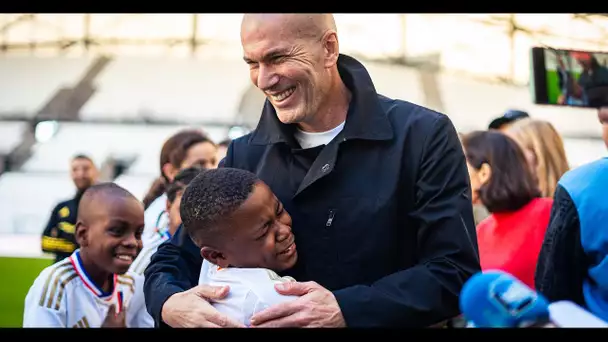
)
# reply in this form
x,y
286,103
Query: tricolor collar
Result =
x,y
88,282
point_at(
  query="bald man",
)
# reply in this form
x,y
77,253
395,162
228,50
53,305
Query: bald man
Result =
x,y
377,189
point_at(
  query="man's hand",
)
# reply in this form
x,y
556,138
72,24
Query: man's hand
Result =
x,y
317,307
191,309
113,319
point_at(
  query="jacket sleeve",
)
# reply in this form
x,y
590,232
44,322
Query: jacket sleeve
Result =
x,y
175,267
447,254
54,244
562,263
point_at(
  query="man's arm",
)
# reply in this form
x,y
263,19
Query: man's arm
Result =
x,y
50,243
174,268
447,246
562,263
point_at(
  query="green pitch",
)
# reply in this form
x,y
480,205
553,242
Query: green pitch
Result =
x,y
18,275
552,85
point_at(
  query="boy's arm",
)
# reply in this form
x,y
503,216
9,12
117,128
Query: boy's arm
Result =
x,y
43,309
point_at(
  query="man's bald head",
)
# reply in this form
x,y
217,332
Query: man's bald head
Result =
x,y
100,198
293,59
300,25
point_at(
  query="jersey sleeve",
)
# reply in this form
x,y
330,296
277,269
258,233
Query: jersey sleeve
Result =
x,y
45,303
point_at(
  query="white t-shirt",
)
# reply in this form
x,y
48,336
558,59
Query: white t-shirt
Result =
x,y
251,289
566,314
314,139
155,219
63,296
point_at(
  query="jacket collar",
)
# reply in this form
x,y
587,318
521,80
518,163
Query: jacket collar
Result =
x,y
366,118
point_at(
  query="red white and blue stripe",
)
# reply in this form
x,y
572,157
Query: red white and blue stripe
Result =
x,y
89,284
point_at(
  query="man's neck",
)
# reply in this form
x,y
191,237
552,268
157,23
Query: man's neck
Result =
x,y
100,277
332,111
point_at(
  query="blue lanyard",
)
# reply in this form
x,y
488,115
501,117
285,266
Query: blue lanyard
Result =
x,y
164,233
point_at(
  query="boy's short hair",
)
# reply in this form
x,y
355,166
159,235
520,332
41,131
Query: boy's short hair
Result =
x,y
211,196
181,181
101,189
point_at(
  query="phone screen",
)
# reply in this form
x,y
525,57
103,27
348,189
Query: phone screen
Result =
x,y
569,77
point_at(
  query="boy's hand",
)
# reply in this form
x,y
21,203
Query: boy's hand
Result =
x,y
113,319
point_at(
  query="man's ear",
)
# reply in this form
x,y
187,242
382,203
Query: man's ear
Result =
x,y
331,48
214,257
81,233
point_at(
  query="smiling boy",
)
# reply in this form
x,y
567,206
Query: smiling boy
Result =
x,y
92,288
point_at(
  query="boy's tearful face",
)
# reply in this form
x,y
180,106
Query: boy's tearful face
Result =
x,y
257,234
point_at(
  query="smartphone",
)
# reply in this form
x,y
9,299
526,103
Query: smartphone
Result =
x,y
572,78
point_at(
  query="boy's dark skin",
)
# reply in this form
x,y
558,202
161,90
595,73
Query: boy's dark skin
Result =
x,y
108,230
256,234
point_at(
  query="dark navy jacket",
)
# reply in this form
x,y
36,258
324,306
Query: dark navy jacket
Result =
x,y
382,215
573,262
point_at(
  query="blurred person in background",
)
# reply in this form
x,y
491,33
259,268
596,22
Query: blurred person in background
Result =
x,y
571,92
544,150
573,262
58,236
479,210
173,194
186,148
222,148
503,122
501,179
593,79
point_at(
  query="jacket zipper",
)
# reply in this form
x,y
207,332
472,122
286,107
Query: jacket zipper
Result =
x,y
330,219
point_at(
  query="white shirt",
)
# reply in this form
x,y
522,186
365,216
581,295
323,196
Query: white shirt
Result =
x,y
314,139
566,314
143,258
251,289
155,217
64,296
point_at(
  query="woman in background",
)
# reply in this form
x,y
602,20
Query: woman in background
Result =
x,y
544,150
185,149
501,179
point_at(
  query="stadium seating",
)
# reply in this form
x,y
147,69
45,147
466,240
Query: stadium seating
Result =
x,y
184,91
28,82
27,199
10,135
101,141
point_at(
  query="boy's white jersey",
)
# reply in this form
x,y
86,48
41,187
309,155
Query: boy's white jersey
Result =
x,y
251,289
63,295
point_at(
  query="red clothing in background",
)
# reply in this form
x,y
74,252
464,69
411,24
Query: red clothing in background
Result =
x,y
511,241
